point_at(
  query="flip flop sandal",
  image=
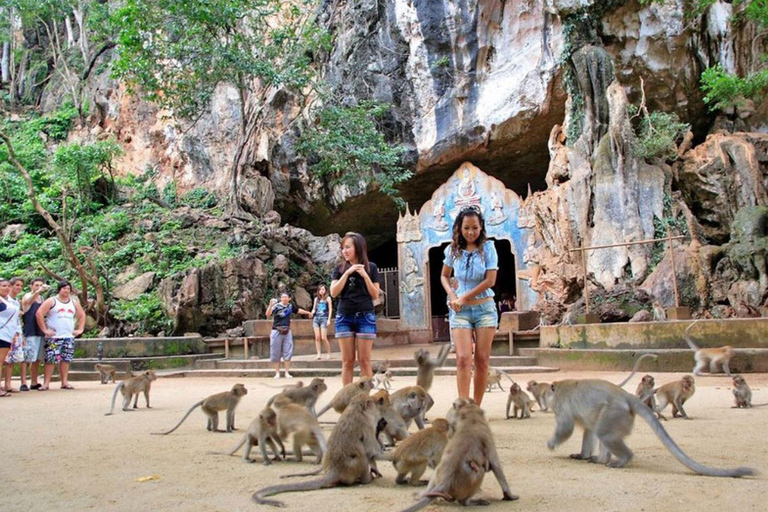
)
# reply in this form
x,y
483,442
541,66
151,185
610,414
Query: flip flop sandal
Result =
x,y
4,393
42,388
67,387
35,386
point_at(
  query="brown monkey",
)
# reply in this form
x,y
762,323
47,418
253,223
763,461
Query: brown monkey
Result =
x,y
261,431
468,455
350,458
105,372
421,450
542,392
380,366
226,401
132,387
659,314
382,380
521,402
675,393
426,372
741,392
709,356
606,413
452,415
393,427
295,419
410,402
346,394
304,395
494,378
645,391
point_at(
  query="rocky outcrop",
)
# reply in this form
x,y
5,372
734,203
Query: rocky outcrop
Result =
x,y
135,287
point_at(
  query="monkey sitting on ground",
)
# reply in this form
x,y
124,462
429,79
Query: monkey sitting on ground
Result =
x,y
261,431
494,378
347,394
646,391
709,356
382,380
542,392
305,396
421,450
675,393
295,419
521,401
426,372
606,413
132,387
468,455
411,403
226,401
741,392
106,371
350,459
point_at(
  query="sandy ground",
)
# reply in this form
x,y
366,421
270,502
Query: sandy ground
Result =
x,y
60,452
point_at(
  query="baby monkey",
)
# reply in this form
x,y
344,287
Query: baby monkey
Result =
x,y
675,393
211,406
741,393
522,402
419,451
261,432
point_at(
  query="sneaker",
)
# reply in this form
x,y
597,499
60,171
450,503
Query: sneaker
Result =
x,y
277,375
288,375
23,387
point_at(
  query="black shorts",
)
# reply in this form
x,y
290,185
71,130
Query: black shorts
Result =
x,y
5,344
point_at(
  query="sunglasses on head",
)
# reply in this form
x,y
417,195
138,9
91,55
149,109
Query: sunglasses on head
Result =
x,y
471,208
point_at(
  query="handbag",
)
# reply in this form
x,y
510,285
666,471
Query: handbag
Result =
x,y
282,329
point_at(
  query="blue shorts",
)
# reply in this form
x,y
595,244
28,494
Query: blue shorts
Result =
x,y
33,350
475,317
361,325
280,345
320,322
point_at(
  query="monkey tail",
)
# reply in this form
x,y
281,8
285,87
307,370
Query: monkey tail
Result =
x,y
637,365
272,399
323,410
325,482
310,473
507,376
114,396
198,404
675,450
687,336
240,443
423,502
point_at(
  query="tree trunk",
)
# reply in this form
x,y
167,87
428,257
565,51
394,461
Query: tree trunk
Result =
x,y
80,17
5,63
70,34
247,127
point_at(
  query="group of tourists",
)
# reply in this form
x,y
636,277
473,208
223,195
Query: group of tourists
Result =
x,y
469,272
36,330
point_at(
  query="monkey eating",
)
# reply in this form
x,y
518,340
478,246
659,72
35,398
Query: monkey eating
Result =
x,y
675,393
426,372
261,431
106,371
131,388
350,458
347,394
419,451
468,455
521,401
211,406
606,413
542,392
711,357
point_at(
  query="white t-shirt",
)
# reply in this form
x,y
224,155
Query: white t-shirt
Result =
x,y
61,318
9,319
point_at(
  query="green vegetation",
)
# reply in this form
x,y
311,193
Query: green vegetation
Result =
x,y
656,134
146,310
725,90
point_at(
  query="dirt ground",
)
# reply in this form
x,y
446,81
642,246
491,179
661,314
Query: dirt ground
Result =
x,y
60,452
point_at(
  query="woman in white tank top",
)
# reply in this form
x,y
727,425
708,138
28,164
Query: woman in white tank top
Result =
x,y
10,326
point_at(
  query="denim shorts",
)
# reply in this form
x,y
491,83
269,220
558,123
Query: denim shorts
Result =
x,y
320,321
474,317
362,325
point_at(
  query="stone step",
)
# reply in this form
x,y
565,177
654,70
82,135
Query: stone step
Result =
x,y
323,364
302,373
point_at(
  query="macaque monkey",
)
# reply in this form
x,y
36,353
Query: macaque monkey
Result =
x,y
305,396
350,459
542,392
468,455
393,427
211,406
635,367
380,366
421,450
295,419
709,356
659,313
261,431
106,371
606,413
131,388
675,393
427,366
382,380
741,392
494,378
410,402
347,394
521,401
645,391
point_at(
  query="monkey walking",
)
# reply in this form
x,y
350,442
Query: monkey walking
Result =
x,y
426,371
494,379
350,458
542,392
675,393
346,394
382,380
711,357
421,450
226,401
131,388
106,371
303,395
261,432
606,413
468,455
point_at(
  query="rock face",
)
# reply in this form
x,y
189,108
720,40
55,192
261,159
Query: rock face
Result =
x,y
135,287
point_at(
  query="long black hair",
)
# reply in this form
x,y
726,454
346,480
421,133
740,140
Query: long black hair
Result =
x,y
361,252
459,242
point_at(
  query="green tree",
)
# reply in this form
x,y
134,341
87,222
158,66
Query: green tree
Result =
x,y
178,52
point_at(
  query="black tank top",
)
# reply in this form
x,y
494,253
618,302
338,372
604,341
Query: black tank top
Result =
x,y
30,327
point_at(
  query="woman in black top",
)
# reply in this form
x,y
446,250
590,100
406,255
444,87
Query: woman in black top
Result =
x,y
356,283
